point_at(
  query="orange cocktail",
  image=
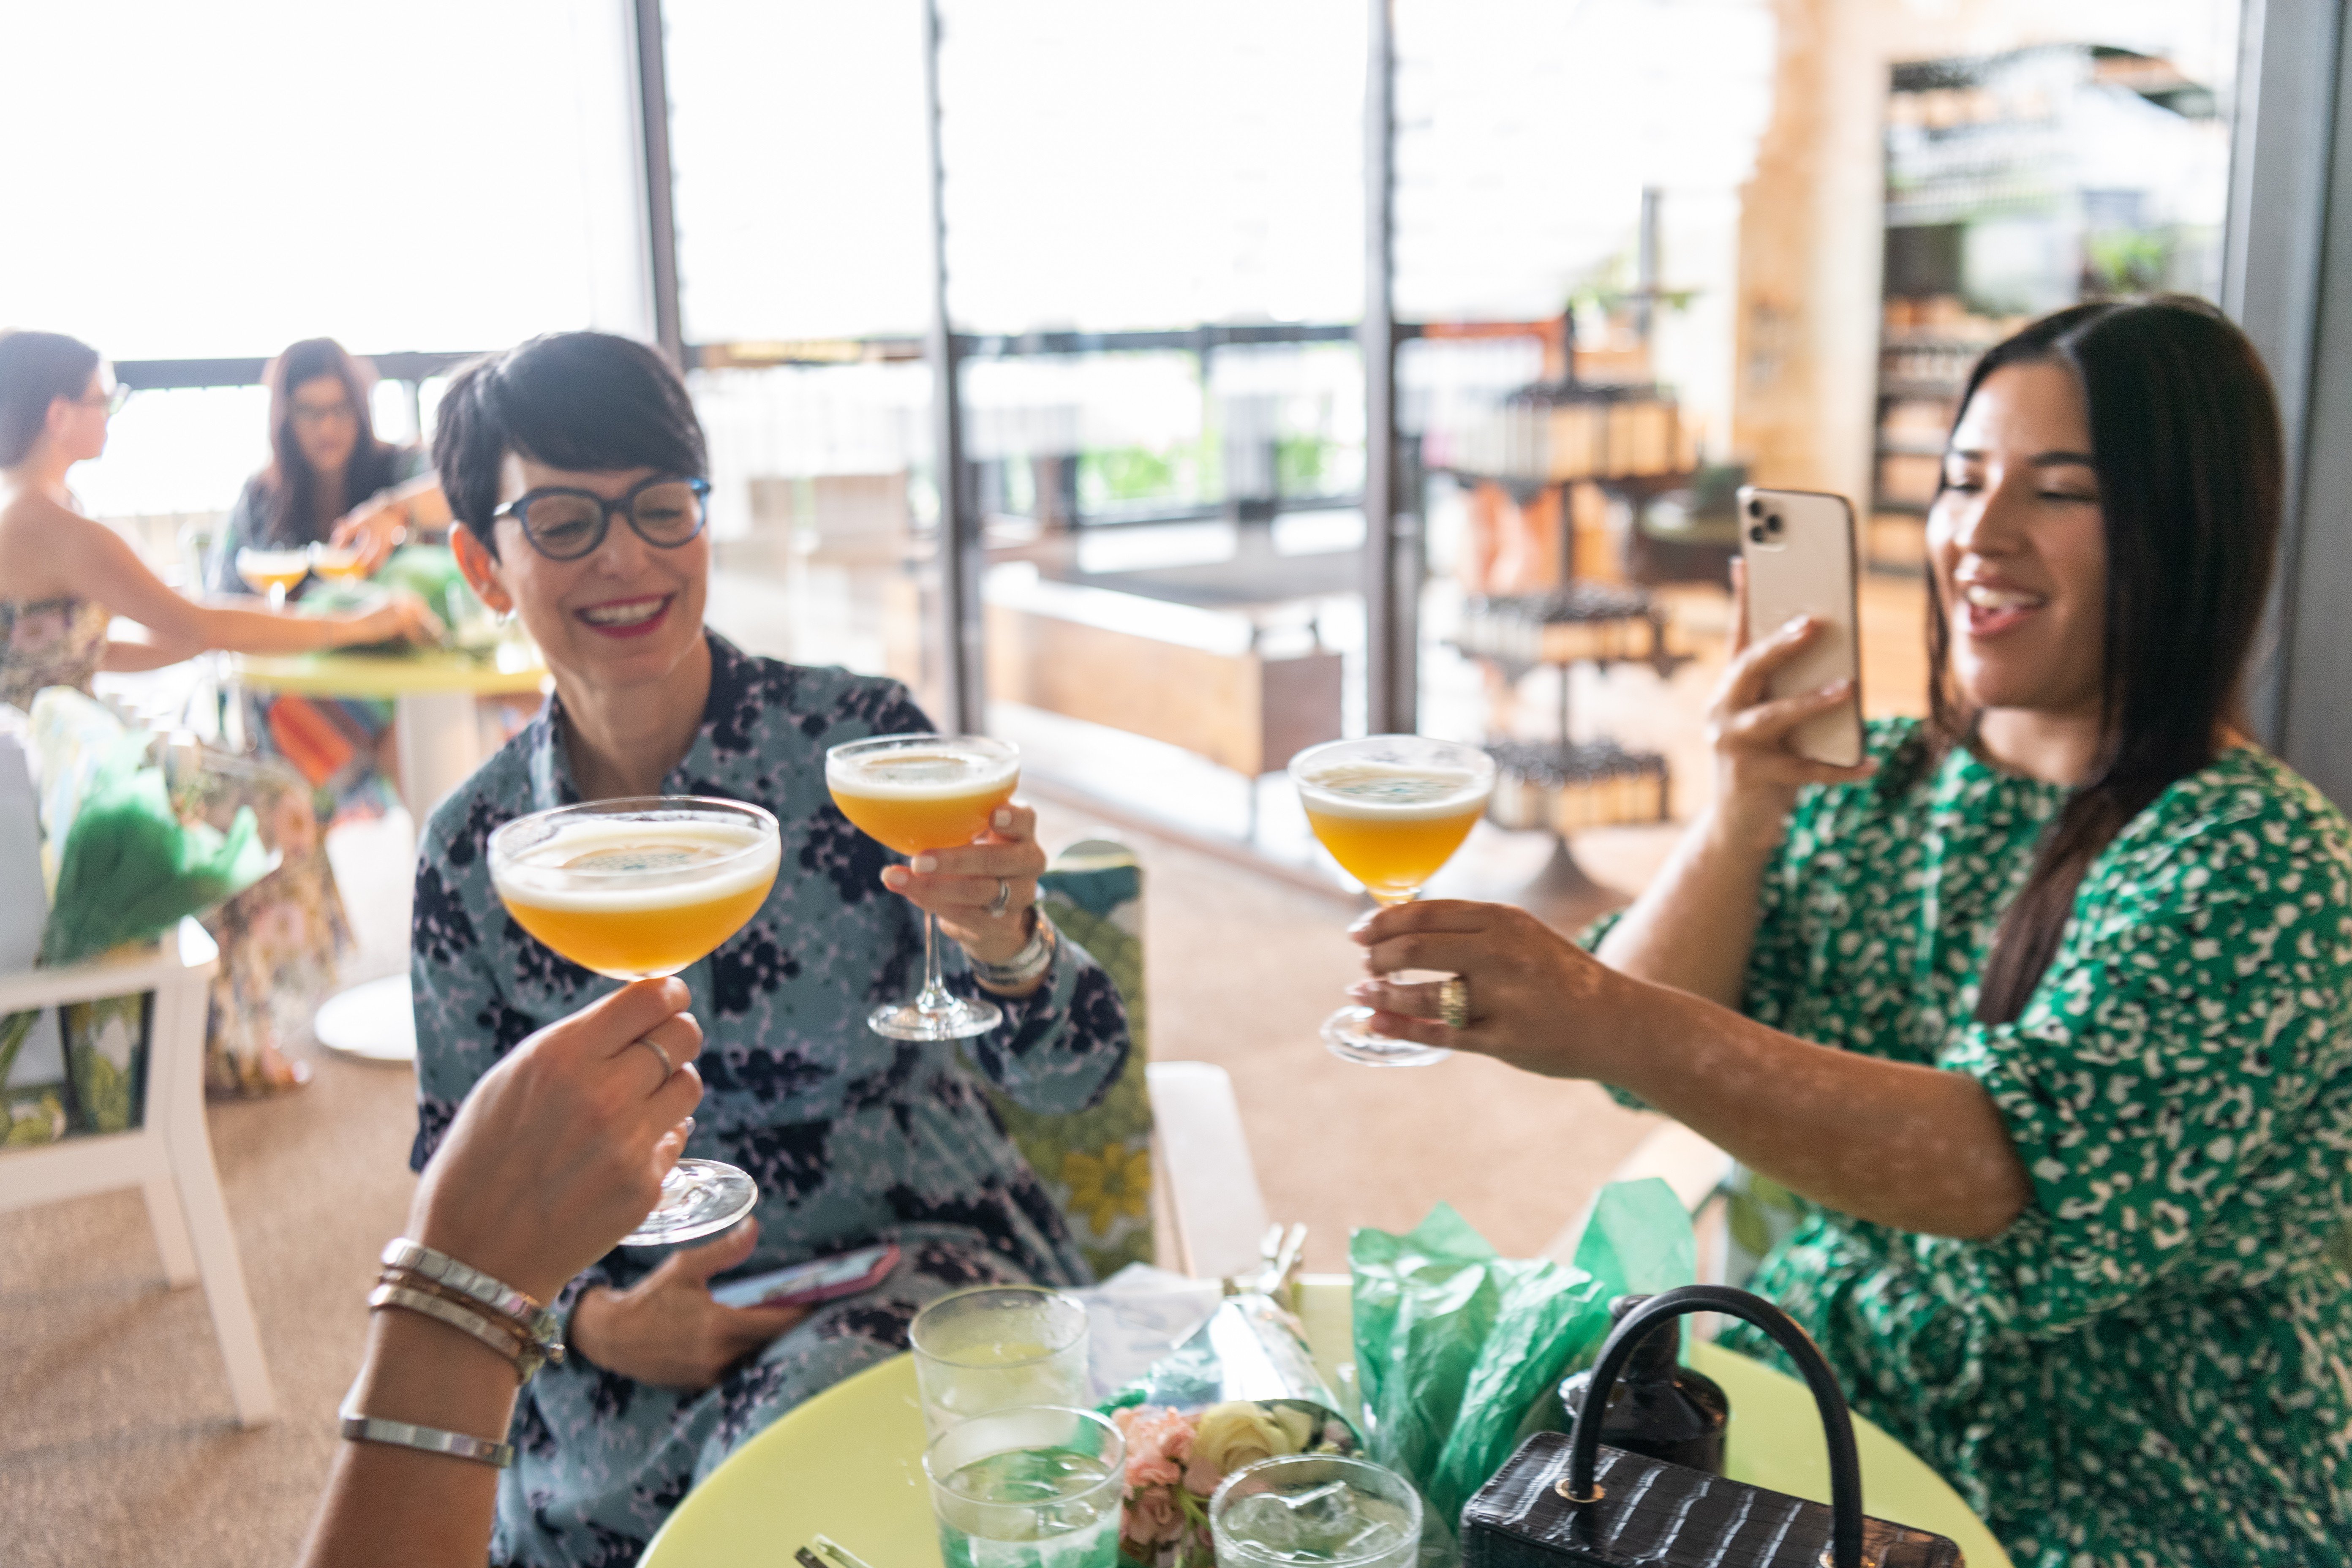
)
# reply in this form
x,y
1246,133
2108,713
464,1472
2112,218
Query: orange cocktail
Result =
x,y
273,572
637,889
919,793
1392,809
914,798
1391,829
339,563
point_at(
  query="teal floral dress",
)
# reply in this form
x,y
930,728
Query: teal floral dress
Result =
x,y
2153,1365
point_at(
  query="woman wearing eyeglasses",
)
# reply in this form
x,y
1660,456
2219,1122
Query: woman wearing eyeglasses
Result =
x,y
575,467
330,480
63,577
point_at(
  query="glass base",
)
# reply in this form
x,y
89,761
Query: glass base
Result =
x,y
699,1197
959,1018
1347,1034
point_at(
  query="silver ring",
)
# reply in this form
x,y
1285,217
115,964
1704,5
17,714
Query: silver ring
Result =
x,y
1003,899
1454,1002
667,1066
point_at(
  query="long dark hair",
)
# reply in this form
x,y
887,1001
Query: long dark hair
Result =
x,y
2185,440
36,370
293,489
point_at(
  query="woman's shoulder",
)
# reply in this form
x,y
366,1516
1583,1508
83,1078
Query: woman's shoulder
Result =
x,y
823,703
2244,826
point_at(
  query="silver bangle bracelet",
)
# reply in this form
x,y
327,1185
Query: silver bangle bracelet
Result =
x,y
359,1428
526,1355
1024,966
497,1295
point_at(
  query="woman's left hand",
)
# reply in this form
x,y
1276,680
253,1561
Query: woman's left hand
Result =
x,y
1536,999
374,528
982,893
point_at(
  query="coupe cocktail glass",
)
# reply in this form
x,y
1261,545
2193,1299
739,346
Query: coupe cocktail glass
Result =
x,y
636,888
916,794
273,572
1392,809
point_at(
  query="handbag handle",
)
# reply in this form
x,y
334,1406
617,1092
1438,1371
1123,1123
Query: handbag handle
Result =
x,y
1846,1470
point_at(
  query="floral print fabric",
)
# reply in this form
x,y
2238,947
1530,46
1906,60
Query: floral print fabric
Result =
x,y
48,642
2153,1365
853,1139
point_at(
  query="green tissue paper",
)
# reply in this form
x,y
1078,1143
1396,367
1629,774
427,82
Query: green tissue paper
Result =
x,y
1456,1343
132,868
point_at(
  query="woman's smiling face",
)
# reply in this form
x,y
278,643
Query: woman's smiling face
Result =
x,y
626,614
2018,546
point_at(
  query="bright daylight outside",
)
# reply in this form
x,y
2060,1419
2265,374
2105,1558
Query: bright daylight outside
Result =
x,y
1042,784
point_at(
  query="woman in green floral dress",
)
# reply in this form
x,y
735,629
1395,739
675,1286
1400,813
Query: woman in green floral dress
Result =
x,y
2081,958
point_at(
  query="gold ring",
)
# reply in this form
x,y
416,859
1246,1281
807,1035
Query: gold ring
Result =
x,y
667,1066
1454,1002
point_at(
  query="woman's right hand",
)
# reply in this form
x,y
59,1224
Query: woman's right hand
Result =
x,y
1757,773
665,1330
403,617
560,1150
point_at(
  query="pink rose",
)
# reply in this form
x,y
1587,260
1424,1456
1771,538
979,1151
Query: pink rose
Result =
x,y
1158,1443
1152,1517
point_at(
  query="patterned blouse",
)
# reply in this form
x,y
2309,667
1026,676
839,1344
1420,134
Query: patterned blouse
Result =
x,y
49,642
852,1138
2153,1365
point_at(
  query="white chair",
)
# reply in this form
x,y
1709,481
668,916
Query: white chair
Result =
x,y
1213,1217
1693,1166
169,1156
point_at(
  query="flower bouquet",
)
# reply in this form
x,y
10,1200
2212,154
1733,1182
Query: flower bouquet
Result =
x,y
1175,1461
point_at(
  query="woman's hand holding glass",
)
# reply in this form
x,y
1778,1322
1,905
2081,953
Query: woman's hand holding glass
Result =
x,y
960,886
560,1150
374,528
1536,1000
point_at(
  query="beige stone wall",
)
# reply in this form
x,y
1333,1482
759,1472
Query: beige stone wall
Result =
x,y
1809,228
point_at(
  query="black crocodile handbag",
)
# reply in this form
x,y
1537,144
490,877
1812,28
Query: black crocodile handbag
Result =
x,y
1570,1498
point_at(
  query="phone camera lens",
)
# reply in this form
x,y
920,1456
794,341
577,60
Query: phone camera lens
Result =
x,y
1756,535
1755,507
1772,523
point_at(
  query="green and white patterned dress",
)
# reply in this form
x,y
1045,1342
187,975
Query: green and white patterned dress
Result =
x,y
2153,1365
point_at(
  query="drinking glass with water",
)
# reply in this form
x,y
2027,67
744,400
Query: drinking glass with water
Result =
x,y
1033,1487
1322,1509
982,1350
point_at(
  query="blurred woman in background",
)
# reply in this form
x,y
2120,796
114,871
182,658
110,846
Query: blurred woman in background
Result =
x,y
329,481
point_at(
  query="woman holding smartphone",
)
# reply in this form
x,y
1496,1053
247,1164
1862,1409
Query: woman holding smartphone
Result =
x,y
2044,1009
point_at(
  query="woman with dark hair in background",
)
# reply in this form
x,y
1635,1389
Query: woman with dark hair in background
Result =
x,y
63,576
330,480
2043,1010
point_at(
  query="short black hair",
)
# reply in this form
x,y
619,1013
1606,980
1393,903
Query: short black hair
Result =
x,y
586,401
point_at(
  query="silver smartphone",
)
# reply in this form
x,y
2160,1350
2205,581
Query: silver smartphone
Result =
x,y
1801,558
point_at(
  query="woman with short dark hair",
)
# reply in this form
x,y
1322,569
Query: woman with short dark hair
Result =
x,y
2044,1010
576,468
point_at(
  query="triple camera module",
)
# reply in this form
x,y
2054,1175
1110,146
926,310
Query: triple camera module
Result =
x,y
1768,529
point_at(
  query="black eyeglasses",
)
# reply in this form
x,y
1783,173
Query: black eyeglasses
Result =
x,y
565,524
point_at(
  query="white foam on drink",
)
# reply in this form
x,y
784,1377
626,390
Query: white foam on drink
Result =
x,y
612,866
931,772
1392,791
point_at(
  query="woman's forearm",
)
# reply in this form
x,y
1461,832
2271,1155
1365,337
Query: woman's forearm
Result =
x,y
397,1506
1899,1144
1692,927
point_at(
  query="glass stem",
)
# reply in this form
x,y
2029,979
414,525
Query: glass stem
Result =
x,y
934,997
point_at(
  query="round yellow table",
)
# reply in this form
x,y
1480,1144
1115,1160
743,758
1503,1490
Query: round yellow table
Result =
x,y
432,691
849,1463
